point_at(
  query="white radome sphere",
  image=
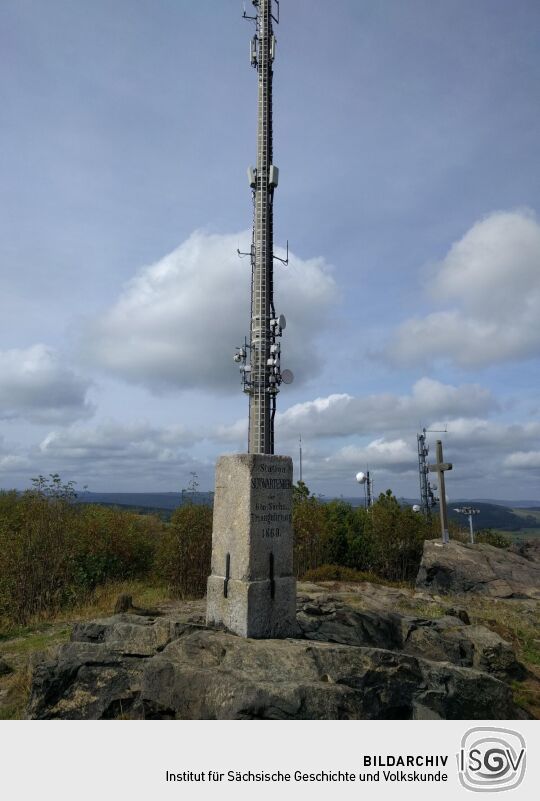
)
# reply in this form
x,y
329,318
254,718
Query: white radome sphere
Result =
x,y
416,508
361,478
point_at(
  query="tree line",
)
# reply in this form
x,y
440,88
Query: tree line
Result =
x,y
55,552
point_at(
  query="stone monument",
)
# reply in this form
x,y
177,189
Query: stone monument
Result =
x,y
252,589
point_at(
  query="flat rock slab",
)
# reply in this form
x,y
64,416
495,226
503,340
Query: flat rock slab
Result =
x,y
214,675
481,569
343,664
445,639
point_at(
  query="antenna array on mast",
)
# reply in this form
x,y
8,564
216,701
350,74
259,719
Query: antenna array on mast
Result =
x,y
427,497
260,358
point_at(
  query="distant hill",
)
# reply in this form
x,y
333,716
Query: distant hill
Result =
x,y
493,514
511,504
160,503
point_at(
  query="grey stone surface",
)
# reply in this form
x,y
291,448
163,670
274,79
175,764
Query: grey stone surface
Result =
x,y
252,532
345,664
480,568
445,639
214,675
250,611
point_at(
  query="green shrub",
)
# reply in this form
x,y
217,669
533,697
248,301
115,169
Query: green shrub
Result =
x,y
386,540
114,544
309,524
54,552
397,537
185,549
495,538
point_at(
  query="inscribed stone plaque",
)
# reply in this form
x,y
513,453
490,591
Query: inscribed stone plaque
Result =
x,y
252,590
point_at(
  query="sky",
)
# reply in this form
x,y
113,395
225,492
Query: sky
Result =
x,y
407,140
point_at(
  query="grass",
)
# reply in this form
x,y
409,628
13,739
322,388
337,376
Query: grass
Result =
x,y
29,640
15,694
338,573
525,513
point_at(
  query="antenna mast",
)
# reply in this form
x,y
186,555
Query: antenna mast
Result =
x,y
427,497
262,376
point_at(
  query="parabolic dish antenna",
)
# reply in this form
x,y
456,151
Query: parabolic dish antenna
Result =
x,y
416,508
287,376
361,478
282,321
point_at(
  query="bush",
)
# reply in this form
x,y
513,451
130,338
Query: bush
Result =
x,y
185,550
114,544
495,538
309,524
397,537
386,540
53,552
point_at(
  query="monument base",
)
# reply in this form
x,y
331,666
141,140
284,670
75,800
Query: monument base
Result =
x,y
252,589
247,611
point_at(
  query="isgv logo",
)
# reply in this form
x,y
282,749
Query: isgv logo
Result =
x,y
491,759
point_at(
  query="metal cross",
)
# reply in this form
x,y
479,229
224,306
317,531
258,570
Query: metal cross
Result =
x,y
440,467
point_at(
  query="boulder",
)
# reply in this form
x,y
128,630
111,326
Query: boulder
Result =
x,y
529,549
215,675
368,667
447,638
482,569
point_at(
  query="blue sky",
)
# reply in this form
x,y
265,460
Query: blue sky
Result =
x,y
406,136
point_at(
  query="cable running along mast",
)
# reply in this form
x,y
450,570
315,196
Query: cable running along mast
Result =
x,y
262,375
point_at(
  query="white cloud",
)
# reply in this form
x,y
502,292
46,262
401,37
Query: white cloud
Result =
x,y
35,386
490,434
491,278
133,456
178,321
110,440
389,455
344,415
491,458
523,460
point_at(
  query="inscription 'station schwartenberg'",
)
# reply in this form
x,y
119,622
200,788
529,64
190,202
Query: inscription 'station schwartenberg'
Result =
x,y
271,483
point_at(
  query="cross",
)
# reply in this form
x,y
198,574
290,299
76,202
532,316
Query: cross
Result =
x,y
440,467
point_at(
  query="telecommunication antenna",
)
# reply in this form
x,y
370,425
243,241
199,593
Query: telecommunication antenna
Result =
x,y
469,512
300,449
261,370
367,482
427,496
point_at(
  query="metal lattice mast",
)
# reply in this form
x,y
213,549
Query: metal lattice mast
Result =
x,y
423,474
427,498
260,401
263,376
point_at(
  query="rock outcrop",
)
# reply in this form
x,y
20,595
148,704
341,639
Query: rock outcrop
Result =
x,y
481,569
343,664
444,639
